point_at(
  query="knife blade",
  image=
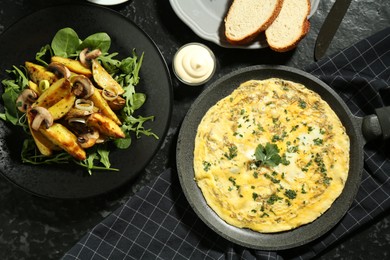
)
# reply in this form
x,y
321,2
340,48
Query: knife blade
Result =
x,y
330,26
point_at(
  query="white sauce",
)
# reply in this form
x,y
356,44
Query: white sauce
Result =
x,y
194,64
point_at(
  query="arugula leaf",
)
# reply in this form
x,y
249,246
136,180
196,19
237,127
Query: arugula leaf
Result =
x,y
97,154
20,78
109,63
30,154
42,53
268,155
65,42
9,97
132,124
103,153
137,67
12,89
128,77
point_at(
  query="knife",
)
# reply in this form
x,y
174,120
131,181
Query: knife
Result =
x,y
329,27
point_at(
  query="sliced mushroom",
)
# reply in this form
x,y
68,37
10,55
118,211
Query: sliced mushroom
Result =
x,y
87,140
102,139
82,86
59,69
25,99
77,125
41,115
87,56
117,104
86,136
115,101
78,113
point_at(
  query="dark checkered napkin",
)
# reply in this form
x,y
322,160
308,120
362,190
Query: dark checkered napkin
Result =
x,y
158,222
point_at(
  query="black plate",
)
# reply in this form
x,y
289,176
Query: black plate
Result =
x,y
276,241
20,43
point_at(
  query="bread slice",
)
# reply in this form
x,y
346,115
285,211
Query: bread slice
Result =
x,y
290,26
245,19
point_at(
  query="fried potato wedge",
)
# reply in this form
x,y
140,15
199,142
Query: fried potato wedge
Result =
x,y
34,87
44,145
117,103
75,112
57,91
104,107
37,73
105,125
104,79
62,107
73,65
64,138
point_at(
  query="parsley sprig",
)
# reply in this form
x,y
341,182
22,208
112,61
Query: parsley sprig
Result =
x,y
268,155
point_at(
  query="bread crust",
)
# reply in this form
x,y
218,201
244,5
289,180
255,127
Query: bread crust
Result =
x,y
293,44
250,37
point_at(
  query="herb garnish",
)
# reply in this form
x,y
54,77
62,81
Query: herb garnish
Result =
x,y
273,198
291,194
268,155
302,104
232,152
318,141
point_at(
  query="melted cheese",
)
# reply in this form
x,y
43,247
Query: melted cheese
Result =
x,y
294,187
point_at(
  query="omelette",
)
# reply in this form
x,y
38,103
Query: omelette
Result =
x,y
271,156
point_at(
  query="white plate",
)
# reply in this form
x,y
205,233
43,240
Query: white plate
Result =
x,y
205,18
107,2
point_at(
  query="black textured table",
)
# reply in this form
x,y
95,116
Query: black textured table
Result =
x,y
37,228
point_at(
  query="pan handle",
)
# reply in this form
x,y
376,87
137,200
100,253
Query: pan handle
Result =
x,y
377,125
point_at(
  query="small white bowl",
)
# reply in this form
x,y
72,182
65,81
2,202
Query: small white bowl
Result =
x,y
107,2
194,64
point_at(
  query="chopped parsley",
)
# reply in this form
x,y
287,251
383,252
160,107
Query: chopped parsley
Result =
x,y
260,127
318,141
206,166
326,180
294,128
272,179
276,137
233,181
232,152
292,149
291,194
302,104
320,163
306,168
284,160
264,215
322,169
273,198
